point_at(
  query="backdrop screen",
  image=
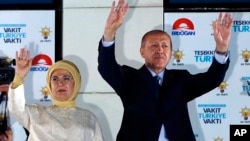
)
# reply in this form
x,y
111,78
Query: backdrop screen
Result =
x,y
36,31
193,49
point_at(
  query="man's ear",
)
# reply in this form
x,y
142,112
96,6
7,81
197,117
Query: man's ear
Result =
x,y
142,52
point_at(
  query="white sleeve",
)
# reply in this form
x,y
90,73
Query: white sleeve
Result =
x,y
16,99
16,105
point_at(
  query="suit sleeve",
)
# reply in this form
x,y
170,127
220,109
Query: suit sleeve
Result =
x,y
204,82
109,69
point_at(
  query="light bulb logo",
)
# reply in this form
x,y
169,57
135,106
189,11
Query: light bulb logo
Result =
x,y
245,55
45,93
218,139
45,32
245,113
178,55
223,85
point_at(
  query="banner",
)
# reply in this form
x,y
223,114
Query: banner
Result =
x,y
34,30
193,49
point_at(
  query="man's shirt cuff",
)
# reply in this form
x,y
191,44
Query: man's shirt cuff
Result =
x,y
107,44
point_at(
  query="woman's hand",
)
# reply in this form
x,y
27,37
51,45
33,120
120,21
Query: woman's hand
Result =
x,y
23,62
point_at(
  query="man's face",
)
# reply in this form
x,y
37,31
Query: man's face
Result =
x,y
156,51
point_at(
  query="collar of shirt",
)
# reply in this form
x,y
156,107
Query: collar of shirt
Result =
x,y
161,74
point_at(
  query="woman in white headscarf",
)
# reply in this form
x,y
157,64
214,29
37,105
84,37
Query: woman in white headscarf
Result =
x,y
62,121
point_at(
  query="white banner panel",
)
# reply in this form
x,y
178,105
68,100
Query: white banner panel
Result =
x,y
193,49
34,30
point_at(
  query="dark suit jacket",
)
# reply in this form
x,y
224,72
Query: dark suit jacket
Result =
x,y
146,107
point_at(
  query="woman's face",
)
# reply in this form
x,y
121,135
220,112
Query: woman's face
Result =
x,y
62,84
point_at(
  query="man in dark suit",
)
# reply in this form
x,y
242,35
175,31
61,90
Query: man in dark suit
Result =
x,y
157,111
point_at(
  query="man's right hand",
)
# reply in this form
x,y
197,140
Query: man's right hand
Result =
x,y
115,19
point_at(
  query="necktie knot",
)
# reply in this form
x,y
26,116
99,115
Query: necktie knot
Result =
x,y
157,79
